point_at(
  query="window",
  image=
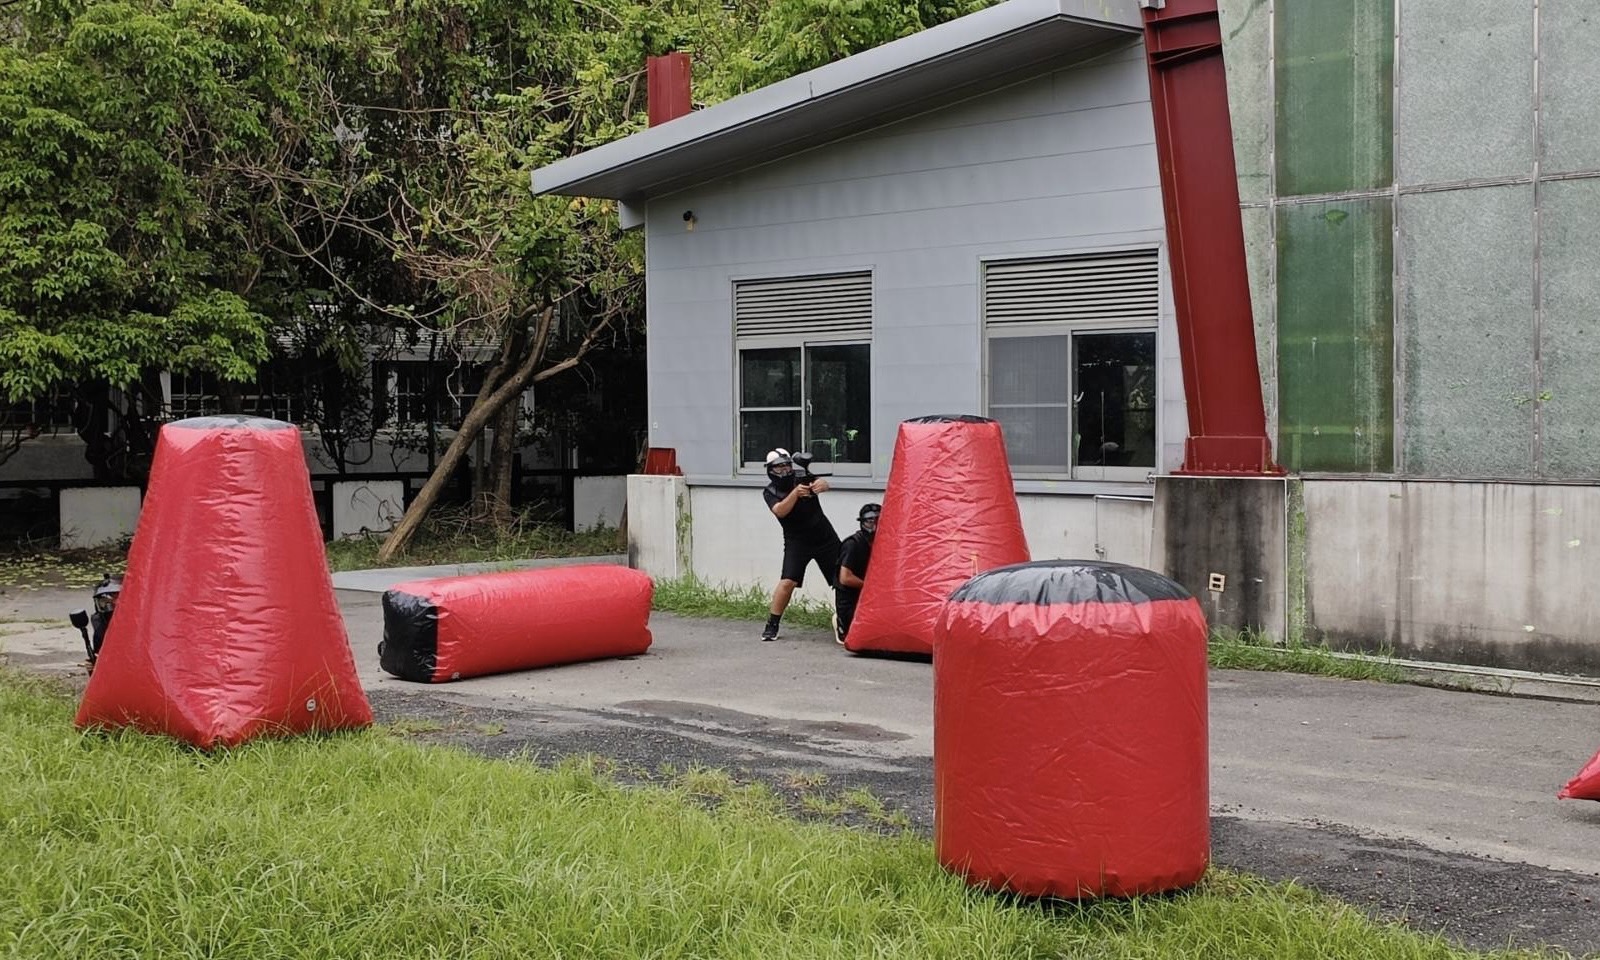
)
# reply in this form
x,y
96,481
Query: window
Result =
x,y
805,368
416,391
193,394
1072,363
276,394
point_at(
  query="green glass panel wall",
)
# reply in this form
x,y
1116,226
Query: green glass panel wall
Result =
x,y
1569,222
1247,54
1335,95
1336,336
1466,332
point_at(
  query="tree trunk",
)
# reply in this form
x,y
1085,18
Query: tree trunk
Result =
x,y
498,490
483,410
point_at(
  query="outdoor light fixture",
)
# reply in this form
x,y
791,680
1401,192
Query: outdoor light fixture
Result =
x,y
689,220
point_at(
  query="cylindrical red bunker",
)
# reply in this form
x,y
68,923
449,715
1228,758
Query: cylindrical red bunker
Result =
x,y
1070,746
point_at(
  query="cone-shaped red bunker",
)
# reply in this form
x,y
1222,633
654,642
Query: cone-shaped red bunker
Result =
x,y
949,512
1586,785
1069,732
226,628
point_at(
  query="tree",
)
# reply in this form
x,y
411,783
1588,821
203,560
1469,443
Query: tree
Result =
x,y
125,242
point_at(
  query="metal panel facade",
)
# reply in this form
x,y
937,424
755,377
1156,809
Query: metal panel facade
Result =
x,y
1062,164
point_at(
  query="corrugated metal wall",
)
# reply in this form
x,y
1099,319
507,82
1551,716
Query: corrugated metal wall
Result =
x,y
1062,164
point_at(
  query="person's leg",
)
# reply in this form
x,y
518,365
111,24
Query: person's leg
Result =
x,y
781,596
844,611
794,574
827,557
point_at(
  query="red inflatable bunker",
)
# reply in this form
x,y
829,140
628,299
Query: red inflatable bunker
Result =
x,y
226,628
440,630
949,513
1586,785
1069,732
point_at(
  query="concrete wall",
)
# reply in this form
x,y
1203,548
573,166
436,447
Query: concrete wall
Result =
x,y
97,516
1225,540
1498,574
1495,574
58,457
658,526
367,506
737,542
1064,163
598,502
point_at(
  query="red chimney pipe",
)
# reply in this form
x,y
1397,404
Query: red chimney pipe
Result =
x,y
668,87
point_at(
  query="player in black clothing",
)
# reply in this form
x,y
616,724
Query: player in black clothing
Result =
x,y
807,534
854,555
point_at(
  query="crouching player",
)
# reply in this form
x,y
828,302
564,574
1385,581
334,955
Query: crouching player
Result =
x,y
854,555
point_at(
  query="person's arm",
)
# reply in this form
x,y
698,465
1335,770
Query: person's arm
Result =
x,y
848,578
782,507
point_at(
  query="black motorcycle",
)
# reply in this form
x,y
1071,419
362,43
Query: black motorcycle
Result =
x,y
105,604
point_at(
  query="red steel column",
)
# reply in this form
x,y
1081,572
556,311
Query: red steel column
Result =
x,y
1205,240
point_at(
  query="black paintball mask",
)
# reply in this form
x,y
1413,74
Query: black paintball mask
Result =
x,y
106,593
868,518
780,470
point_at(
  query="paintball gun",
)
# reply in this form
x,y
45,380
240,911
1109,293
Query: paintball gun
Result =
x,y
802,468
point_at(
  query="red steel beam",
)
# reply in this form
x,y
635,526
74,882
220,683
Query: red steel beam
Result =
x,y
1205,240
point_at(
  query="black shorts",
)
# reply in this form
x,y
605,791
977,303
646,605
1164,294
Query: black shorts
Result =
x,y
797,554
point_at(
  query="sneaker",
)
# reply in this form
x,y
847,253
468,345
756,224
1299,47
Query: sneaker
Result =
x,y
769,632
838,635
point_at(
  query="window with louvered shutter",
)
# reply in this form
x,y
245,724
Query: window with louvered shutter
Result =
x,y
1119,288
805,368
1071,345
836,306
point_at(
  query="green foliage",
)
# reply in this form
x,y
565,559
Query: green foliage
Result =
x,y
178,178
126,241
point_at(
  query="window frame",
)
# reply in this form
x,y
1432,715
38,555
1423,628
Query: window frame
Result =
x,y
804,344
1072,330
763,339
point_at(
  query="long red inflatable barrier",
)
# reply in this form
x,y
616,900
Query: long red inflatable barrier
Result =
x,y
949,512
227,627
1070,746
1586,785
439,630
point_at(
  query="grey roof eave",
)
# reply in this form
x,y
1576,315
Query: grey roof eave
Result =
x,y
983,51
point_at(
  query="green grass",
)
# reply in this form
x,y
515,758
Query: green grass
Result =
x,y
366,845
1247,650
693,597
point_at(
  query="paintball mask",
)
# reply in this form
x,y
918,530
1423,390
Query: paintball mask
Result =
x,y
868,518
106,593
780,469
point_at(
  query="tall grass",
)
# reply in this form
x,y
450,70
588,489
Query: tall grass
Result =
x,y
1248,650
693,597
367,846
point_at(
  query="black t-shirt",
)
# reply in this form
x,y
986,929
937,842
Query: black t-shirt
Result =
x,y
806,522
855,553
